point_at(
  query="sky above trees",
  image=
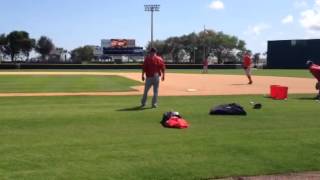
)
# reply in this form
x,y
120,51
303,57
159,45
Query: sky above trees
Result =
x,y
73,23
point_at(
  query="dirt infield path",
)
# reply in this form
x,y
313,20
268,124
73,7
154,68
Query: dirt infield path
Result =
x,y
188,84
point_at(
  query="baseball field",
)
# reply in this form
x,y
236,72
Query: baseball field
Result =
x,y
87,125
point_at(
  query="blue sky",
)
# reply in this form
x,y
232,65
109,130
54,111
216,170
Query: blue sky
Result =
x,y
74,23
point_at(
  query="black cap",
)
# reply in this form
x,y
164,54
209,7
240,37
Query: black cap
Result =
x,y
257,106
153,50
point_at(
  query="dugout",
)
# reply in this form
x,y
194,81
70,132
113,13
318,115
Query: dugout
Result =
x,y
292,54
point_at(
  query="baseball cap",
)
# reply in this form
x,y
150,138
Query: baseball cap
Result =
x,y
257,106
309,63
153,50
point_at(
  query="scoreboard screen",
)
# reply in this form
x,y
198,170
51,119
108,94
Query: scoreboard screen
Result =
x,y
119,43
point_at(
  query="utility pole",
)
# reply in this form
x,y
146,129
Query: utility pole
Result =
x,y
204,45
152,8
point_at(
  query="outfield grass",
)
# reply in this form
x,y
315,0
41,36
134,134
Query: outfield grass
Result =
x,y
107,138
255,72
67,83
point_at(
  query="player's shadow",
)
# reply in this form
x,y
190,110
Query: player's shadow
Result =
x,y
136,108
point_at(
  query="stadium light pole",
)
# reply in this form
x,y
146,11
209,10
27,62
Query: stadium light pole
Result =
x,y
152,8
204,47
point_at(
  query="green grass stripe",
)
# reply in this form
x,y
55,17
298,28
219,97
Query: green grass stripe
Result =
x,y
64,83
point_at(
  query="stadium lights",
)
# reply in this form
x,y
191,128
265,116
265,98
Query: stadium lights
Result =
x,y
152,8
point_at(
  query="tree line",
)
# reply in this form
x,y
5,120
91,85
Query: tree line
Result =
x,y
19,43
194,46
200,45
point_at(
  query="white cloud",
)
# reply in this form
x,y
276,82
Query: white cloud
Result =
x,y
310,18
216,5
257,29
300,4
287,20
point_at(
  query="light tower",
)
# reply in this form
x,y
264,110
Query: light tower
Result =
x,y
152,8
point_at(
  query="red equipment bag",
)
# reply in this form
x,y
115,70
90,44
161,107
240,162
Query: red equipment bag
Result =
x,y
174,120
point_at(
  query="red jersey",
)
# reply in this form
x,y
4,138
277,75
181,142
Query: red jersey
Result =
x,y
153,65
205,62
315,71
246,61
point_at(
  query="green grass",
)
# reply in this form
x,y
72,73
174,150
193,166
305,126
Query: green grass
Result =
x,y
106,138
255,72
67,83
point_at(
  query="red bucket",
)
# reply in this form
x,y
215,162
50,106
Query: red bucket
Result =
x,y
282,92
273,90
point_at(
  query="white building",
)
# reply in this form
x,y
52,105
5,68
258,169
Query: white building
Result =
x,y
60,54
97,50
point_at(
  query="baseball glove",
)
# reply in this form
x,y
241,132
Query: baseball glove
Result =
x,y
317,86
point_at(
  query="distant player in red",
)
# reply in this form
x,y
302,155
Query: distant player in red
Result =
x,y
153,68
246,64
315,71
205,65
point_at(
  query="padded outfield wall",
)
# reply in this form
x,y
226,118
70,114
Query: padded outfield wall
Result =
x,y
111,66
292,54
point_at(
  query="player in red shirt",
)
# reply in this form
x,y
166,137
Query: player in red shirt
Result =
x,y
315,71
205,64
153,68
247,66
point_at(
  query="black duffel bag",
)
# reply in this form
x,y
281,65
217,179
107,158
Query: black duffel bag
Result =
x,y
228,109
